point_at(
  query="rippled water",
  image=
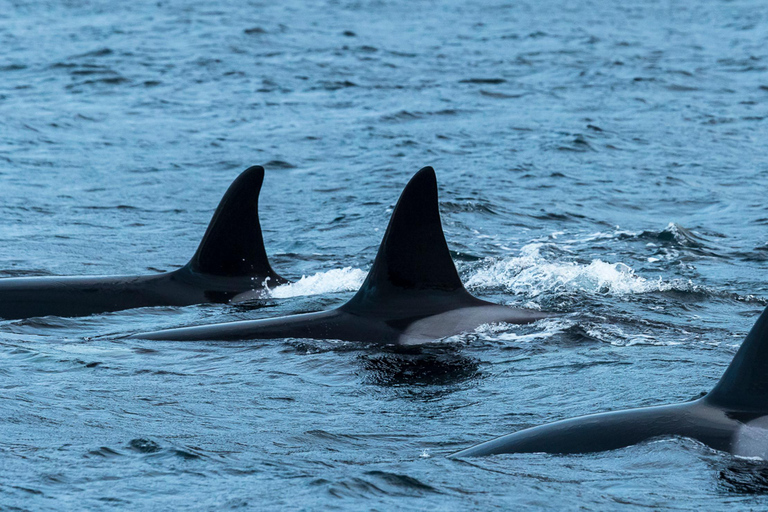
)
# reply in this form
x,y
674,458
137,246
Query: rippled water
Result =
x,y
604,161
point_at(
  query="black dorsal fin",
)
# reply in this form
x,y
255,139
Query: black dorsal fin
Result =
x,y
744,385
232,245
413,255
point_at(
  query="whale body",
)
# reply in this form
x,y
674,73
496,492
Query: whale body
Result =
x,y
412,294
230,260
733,417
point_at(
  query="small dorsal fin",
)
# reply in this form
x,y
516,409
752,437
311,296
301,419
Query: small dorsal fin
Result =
x,y
232,245
744,385
413,255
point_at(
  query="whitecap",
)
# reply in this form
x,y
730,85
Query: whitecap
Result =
x,y
532,274
336,280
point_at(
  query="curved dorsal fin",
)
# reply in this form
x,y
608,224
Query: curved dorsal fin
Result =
x,y
232,245
744,385
413,255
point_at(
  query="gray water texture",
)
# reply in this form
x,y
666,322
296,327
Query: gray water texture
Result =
x,y
602,160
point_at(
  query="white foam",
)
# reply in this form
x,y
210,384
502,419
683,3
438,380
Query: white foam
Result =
x,y
505,332
616,336
550,327
336,280
532,274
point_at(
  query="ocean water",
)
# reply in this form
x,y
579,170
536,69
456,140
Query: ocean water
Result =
x,y
601,160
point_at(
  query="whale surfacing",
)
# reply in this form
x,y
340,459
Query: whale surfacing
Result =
x,y
230,260
412,294
733,417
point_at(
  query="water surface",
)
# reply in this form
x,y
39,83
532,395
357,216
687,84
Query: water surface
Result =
x,y
603,161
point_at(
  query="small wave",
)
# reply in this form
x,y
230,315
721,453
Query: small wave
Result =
x,y
13,67
500,95
618,337
401,481
677,234
505,332
142,445
491,81
531,274
9,272
279,164
578,144
335,85
254,31
337,280
101,52
377,483
673,235
406,115
467,205
571,331
676,238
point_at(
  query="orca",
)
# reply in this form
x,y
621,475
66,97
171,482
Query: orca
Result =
x,y
231,260
732,417
412,294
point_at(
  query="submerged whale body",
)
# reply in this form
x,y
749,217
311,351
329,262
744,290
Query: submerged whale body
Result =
x,y
412,294
230,260
733,417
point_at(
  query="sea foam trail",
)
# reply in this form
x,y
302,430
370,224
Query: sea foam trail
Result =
x,y
337,280
582,328
547,328
531,274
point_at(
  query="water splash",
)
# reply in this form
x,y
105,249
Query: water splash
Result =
x,y
532,274
572,329
337,280
546,328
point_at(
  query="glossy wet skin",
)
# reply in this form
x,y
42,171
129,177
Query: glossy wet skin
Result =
x,y
697,420
742,433
732,417
412,294
26,297
230,262
339,324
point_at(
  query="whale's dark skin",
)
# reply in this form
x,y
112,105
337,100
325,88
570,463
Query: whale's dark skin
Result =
x,y
733,417
413,293
231,260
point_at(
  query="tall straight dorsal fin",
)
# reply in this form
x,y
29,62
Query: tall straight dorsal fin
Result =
x,y
413,255
232,245
744,385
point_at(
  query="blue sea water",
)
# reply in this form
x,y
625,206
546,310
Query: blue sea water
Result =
x,y
605,160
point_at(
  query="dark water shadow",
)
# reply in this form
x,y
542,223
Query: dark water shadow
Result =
x,y
745,477
418,366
